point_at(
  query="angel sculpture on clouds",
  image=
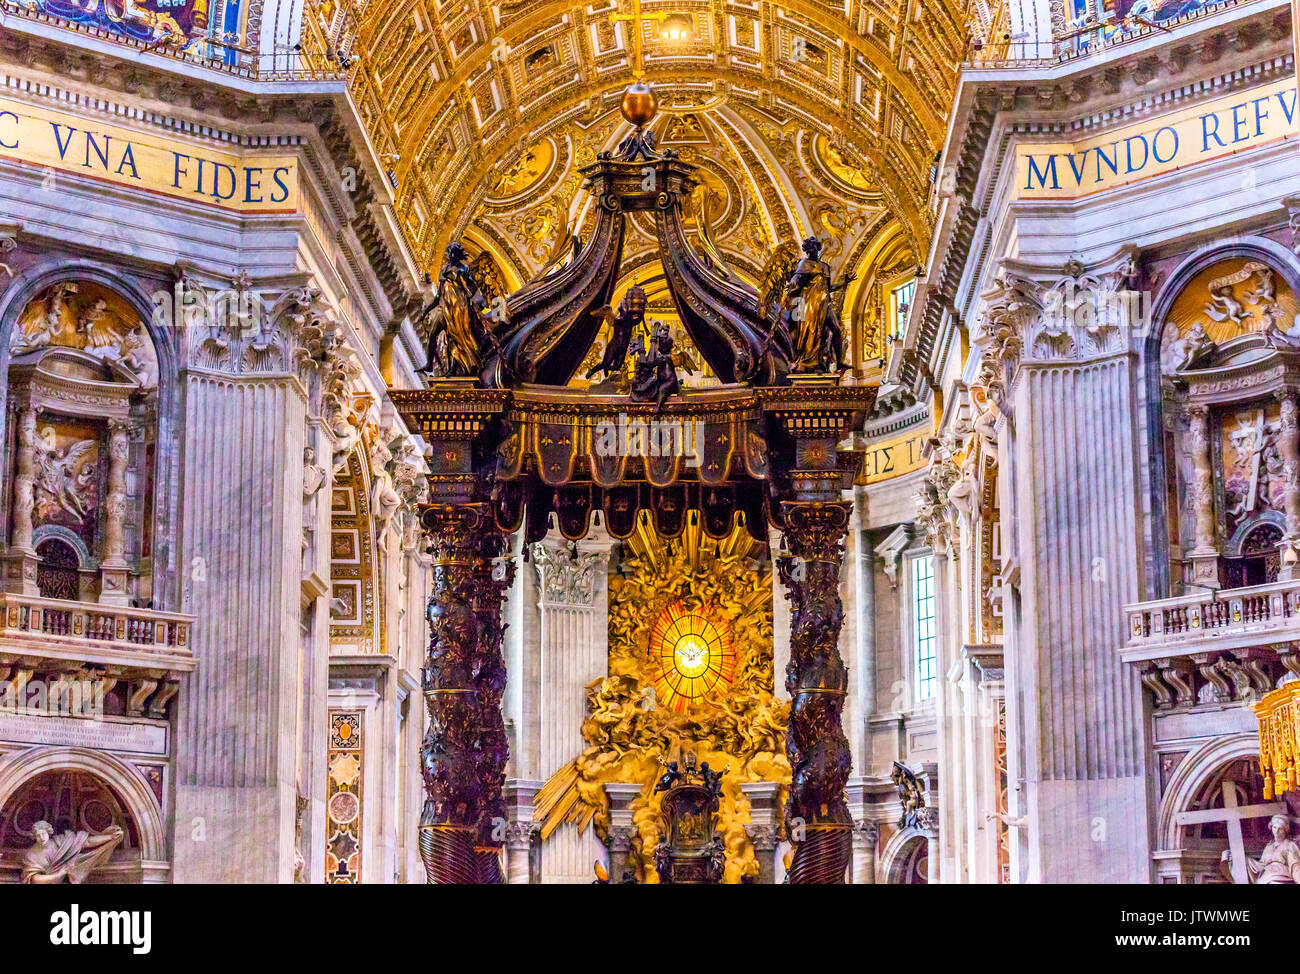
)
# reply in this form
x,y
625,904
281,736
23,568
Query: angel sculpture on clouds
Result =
x,y
44,322
67,477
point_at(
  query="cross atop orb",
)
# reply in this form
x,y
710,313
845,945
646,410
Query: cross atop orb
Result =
x,y
635,18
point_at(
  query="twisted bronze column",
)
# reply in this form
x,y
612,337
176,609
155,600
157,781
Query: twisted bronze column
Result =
x,y
493,576
817,818
448,757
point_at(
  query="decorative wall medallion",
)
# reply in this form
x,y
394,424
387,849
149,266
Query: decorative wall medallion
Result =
x,y
514,182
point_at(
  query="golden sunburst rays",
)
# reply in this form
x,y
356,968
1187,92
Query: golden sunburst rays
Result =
x,y
694,547
704,608
559,802
691,617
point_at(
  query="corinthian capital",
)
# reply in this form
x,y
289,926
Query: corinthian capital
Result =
x,y
567,573
1049,314
935,513
1011,306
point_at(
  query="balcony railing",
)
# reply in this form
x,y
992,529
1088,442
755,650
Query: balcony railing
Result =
x,y
1080,40
1244,616
310,59
97,633
1230,646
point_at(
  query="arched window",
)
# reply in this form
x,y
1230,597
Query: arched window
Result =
x,y
56,571
1259,561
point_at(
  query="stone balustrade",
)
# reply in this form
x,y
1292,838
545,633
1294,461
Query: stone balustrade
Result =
x,y
93,633
1236,617
1215,648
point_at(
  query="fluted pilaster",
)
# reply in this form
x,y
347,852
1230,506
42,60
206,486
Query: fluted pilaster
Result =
x,y
573,601
241,551
1083,753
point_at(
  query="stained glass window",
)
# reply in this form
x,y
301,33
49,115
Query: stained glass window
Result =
x,y
692,653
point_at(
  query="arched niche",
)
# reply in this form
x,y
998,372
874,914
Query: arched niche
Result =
x,y
95,355
356,581
1197,814
905,860
878,298
82,403
82,790
1221,358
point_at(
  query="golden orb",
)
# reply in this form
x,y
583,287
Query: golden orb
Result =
x,y
639,104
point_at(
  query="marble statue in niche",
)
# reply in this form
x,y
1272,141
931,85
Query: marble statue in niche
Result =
x,y
313,474
70,857
1252,463
67,489
1279,863
313,478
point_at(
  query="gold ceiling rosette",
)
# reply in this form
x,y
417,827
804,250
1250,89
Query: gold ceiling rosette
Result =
x,y
690,670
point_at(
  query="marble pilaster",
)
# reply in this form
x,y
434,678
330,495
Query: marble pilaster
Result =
x,y
242,548
247,393
763,828
573,600
780,624
865,837
621,794
1205,556
1289,447
521,832
20,560
1080,731
113,567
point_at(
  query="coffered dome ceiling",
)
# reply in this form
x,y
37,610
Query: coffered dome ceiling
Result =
x,y
808,117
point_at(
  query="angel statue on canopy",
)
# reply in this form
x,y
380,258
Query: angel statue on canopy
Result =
x,y
462,317
810,312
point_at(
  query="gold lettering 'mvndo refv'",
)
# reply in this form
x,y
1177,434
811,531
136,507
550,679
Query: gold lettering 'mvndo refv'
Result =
x,y
1220,128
